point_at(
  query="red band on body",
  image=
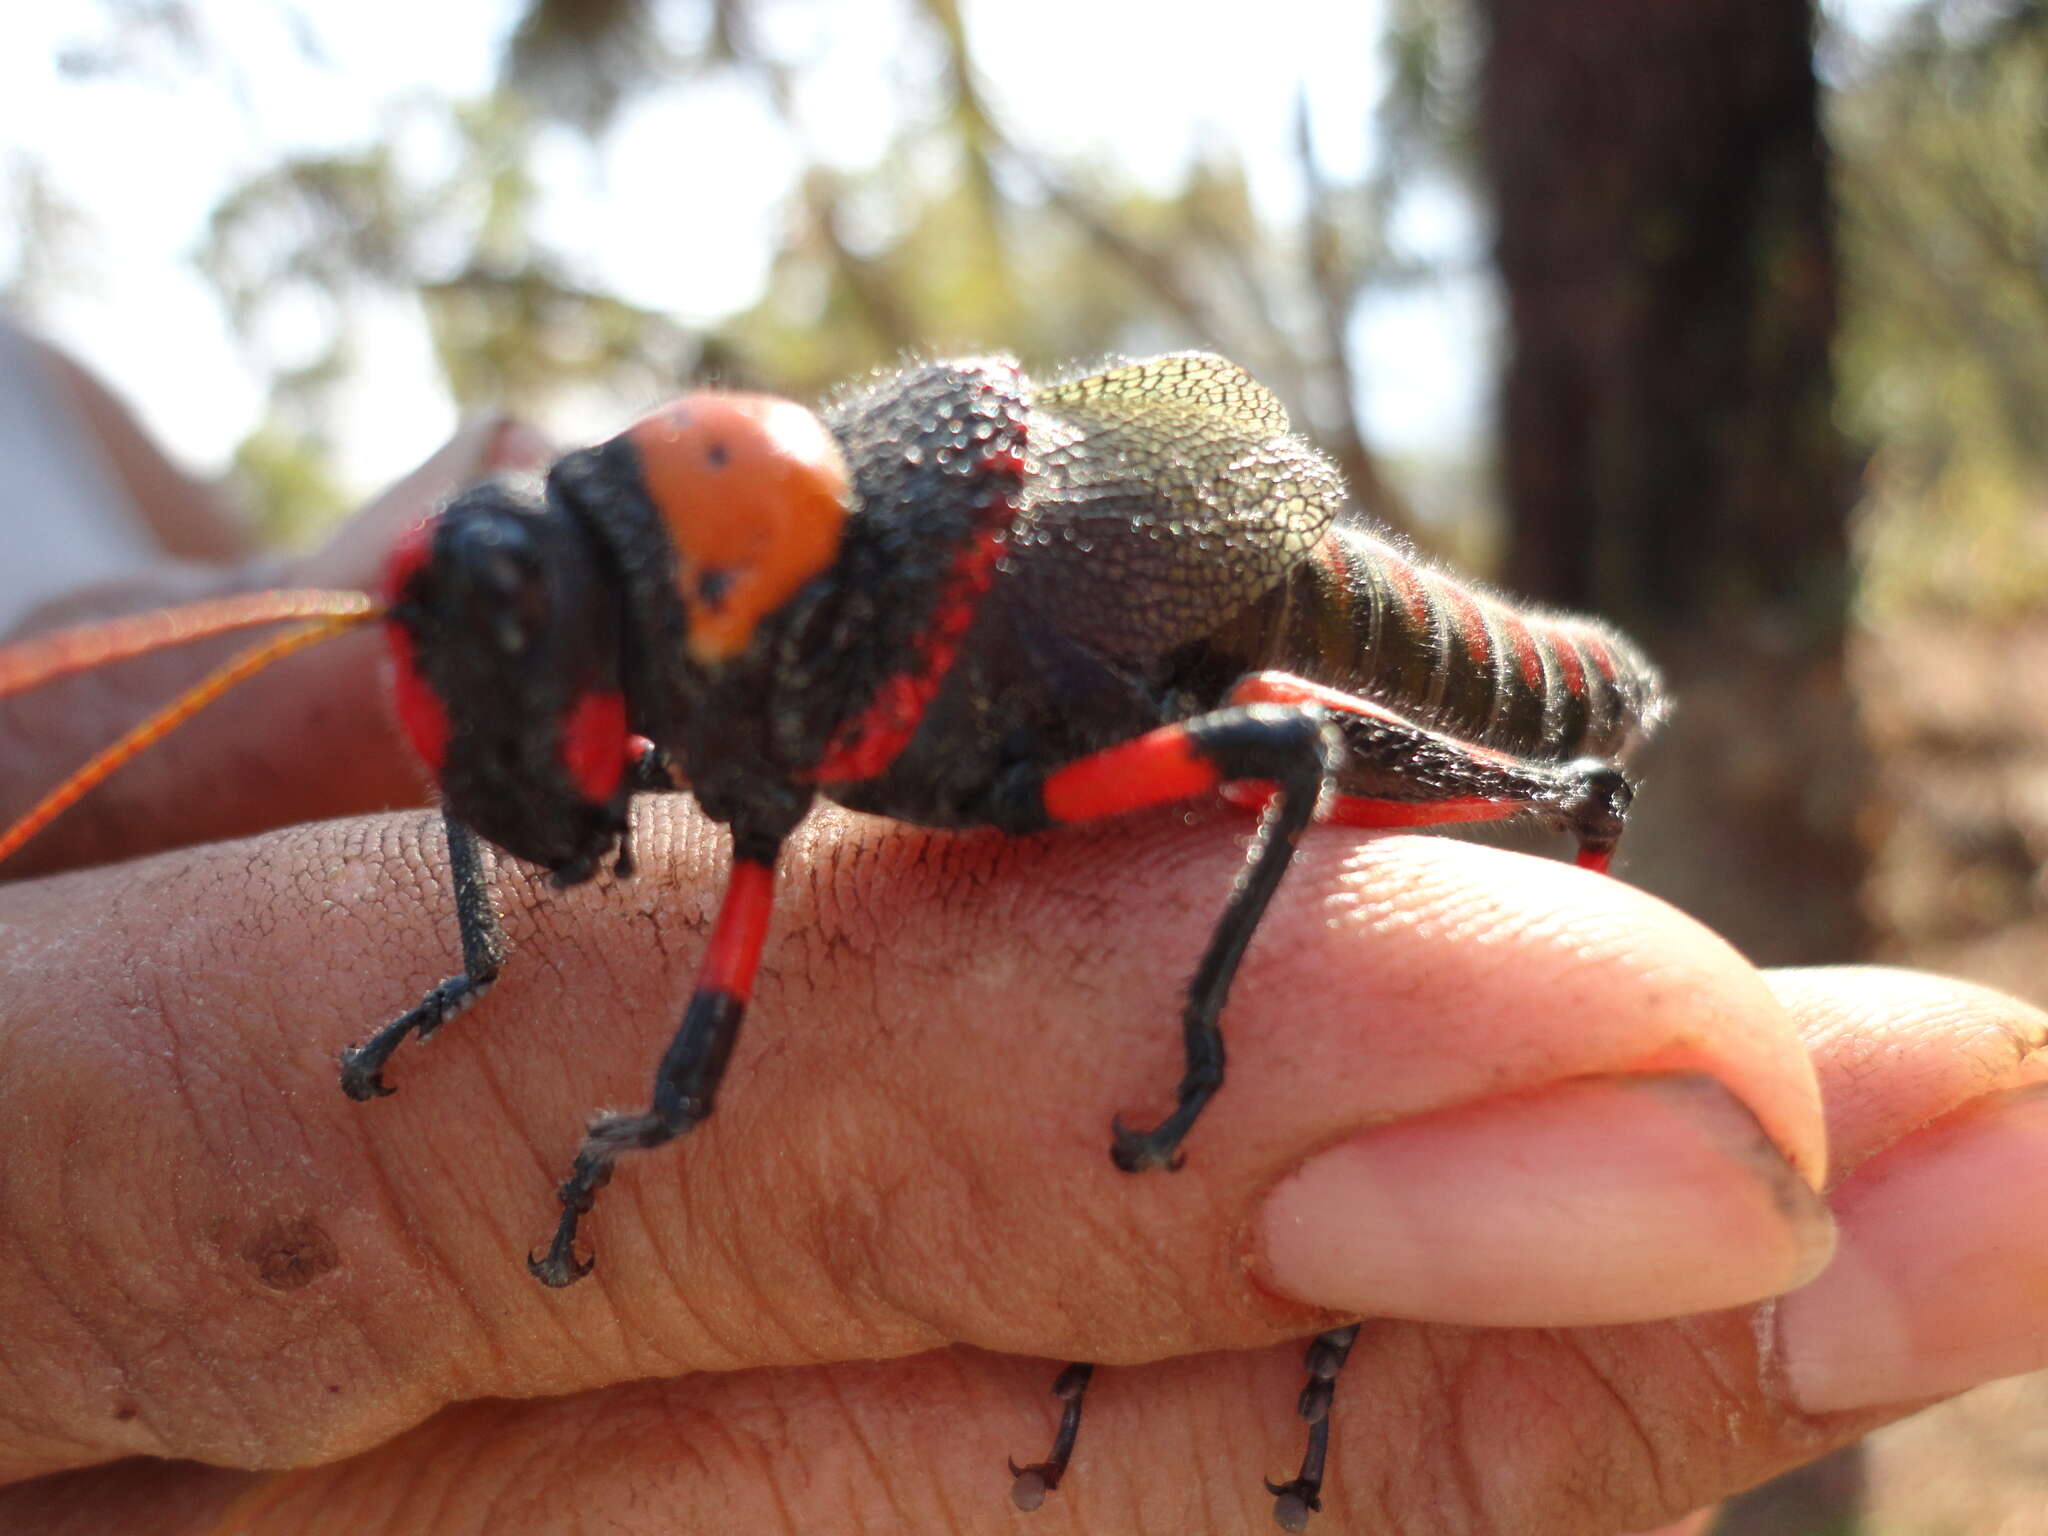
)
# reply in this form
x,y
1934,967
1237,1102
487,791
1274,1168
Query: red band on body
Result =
x,y
1470,624
873,739
863,747
1569,664
1408,588
1524,644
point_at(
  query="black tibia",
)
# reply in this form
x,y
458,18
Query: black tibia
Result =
x,y
483,951
1034,1482
683,1091
1295,1501
1396,761
684,1087
1293,750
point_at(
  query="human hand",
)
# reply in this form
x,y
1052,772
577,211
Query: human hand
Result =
x,y
1546,1108
310,738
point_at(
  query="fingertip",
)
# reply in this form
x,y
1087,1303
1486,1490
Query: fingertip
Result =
x,y
1938,1287
1427,973
1610,1200
1897,1049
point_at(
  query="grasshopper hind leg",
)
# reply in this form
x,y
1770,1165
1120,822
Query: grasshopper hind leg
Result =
x,y
1294,1501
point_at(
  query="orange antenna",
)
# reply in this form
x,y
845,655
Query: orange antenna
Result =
x,y
66,651
43,658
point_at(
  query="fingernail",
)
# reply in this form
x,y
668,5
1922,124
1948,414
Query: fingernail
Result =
x,y
1602,1200
1941,1278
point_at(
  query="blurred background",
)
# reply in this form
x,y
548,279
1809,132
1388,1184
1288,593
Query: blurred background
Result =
x,y
1727,320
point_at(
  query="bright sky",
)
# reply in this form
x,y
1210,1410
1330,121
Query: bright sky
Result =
x,y
681,215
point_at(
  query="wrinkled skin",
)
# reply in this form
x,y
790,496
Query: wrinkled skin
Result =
x,y
810,1316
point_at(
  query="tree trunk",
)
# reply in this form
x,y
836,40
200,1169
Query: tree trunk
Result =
x,y
1670,460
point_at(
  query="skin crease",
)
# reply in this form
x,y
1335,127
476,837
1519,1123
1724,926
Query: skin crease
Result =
x,y
807,1317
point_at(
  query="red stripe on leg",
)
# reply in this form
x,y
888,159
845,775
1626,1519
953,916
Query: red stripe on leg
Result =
x,y
1251,794
742,929
1361,811
1595,859
1157,768
1286,688
1357,811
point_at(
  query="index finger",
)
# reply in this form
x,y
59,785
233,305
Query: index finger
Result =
x,y
208,1252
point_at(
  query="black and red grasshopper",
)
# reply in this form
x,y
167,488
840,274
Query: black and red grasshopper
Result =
x,y
956,598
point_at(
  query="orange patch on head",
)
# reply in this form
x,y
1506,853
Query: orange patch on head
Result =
x,y
754,493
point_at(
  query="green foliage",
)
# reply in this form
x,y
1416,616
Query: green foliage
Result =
x,y
286,478
946,276
1942,149
584,59
313,243
1434,50
960,235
